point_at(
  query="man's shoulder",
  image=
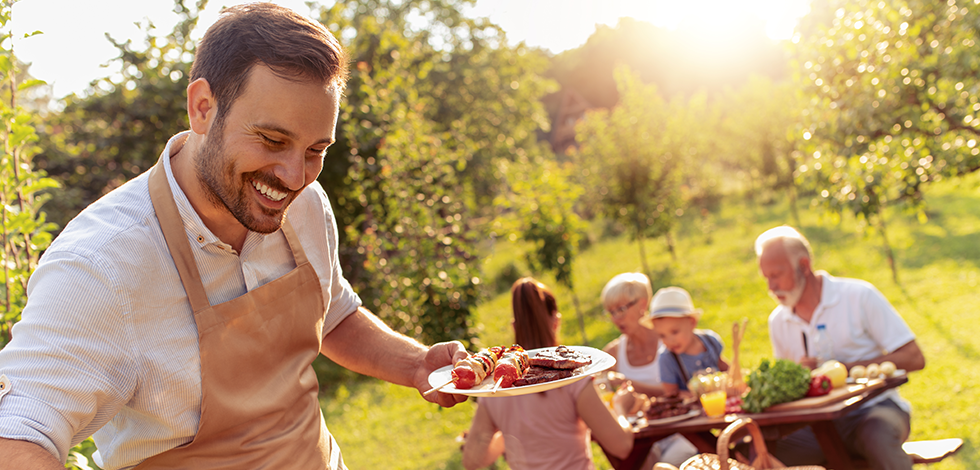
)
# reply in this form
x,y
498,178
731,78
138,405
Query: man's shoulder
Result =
x,y
845,284
121,216
708,334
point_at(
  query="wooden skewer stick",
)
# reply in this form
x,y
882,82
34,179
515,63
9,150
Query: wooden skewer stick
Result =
x,y
496,386
433,389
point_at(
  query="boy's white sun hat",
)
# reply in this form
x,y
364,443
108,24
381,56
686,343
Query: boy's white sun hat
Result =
x,y
672,302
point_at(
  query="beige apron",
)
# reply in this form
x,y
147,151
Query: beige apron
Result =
x,y
259,405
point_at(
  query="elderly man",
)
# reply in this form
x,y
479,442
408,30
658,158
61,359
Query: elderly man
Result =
x,y
864,329
177,318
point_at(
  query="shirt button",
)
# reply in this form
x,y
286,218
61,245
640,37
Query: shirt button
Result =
x,y
200,238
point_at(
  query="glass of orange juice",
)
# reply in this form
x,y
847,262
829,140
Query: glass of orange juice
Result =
x,y
714,403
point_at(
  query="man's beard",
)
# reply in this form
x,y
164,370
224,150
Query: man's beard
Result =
x,y
216,172
789,298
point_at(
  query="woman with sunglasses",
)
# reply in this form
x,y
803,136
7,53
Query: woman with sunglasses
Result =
x,y
626,298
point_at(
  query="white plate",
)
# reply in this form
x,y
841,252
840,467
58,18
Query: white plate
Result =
x,y
673,419
600,362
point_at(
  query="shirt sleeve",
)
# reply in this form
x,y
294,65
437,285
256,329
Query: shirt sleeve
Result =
x,y
715,345
70,362
670,371
343,301
883,323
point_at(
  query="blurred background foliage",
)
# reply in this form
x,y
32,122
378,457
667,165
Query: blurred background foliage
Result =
x,y
449,141
447,135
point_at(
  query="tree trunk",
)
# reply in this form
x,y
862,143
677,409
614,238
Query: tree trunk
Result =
x,y
581,318
887,246
791,192
643,255
670,246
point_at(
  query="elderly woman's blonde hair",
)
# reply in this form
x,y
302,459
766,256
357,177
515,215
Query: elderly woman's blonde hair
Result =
x,y
796,245
626,286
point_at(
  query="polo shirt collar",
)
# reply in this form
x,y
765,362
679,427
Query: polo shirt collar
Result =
x,y
829,296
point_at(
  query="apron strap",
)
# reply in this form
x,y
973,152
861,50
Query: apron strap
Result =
x,y
293,240
176,236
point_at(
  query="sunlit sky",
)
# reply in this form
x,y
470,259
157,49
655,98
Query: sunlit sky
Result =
x,y
72,49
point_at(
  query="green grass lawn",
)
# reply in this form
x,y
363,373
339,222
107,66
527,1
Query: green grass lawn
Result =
x,y
383,426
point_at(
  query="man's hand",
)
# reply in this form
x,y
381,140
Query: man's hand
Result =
x,y
809,362
439,355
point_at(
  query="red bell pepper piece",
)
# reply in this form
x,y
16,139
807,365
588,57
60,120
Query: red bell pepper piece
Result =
x,y
819,385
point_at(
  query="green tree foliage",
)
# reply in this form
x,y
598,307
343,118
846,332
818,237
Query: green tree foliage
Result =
x,y
636,156
893,101
759,135
24,228
117,131
540,210
429,114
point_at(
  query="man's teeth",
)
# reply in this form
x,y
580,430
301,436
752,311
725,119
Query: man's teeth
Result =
x,y
269,192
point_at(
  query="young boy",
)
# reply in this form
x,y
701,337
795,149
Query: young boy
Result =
x,y
687,350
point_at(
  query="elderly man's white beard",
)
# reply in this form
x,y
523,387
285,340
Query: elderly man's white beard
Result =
x,y
789,298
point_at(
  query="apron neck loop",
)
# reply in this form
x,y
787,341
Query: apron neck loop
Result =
x,y
176,236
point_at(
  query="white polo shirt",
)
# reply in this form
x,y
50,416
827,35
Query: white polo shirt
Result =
x,y
108,343
861,322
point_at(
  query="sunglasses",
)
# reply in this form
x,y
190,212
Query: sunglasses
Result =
x,y
619,311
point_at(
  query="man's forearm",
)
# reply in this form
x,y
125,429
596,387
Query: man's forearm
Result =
x,y
908,357
23,455
364,344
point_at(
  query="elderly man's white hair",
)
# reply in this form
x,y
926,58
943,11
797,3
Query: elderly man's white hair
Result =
x,y
626,286
796,245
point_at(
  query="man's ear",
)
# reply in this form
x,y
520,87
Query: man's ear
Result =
x,y
804,264
201,106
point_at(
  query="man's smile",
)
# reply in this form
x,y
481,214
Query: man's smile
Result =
x,y
269,192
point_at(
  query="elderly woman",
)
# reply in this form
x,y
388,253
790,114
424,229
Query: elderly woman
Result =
x,y
637,351
626,297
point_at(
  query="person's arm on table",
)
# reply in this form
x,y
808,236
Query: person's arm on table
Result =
x,y
649,389
23,455
366,345
484,443
908,357
671,390
613,432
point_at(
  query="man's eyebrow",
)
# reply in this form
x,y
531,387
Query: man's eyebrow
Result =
x,y
287,133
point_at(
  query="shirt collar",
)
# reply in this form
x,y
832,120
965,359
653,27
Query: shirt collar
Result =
x,y
197,232
829,296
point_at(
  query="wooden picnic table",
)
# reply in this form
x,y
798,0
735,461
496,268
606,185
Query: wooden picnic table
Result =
x,y
773,423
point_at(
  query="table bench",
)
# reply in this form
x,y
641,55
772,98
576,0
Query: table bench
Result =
x,y
925,452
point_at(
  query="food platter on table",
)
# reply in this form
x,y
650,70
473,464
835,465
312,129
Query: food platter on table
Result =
x,y
673,419
600,362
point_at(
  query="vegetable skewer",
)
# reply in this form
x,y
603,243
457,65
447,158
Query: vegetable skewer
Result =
x,y
472,370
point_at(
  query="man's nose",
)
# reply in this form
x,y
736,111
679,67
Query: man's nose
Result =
x,y
291,170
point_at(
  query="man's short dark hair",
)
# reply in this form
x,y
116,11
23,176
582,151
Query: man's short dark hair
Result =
x,y
291,45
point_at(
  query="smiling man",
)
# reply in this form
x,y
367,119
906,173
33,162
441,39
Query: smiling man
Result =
x,y
176,319
864,329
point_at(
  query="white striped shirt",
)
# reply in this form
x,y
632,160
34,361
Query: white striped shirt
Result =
x,y
108,344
